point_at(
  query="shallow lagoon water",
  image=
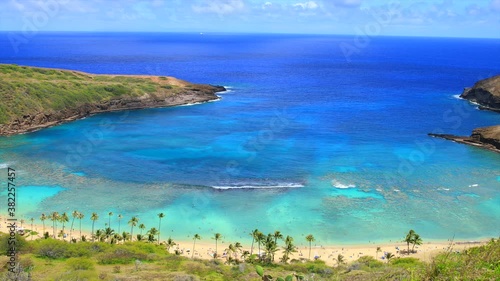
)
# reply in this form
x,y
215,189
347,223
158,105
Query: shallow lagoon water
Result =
x,y
334,148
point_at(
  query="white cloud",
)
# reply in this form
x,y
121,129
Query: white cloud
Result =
x,y
310,5
347,3
495,5
220,7
17,5
267,5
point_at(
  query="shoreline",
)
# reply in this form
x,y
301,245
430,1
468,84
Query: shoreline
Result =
x,y
327,253
76,118
169,92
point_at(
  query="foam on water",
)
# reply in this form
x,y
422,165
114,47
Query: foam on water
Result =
x,y
337,184
260,186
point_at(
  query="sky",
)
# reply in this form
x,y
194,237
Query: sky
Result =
x,y
441,18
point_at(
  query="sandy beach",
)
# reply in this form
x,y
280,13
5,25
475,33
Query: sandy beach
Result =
x,y
328,253
425,252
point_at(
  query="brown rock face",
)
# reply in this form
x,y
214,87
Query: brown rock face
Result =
x,y
486,93
195,94
487,135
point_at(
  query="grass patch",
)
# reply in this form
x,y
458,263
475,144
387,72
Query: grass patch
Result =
x,y
28,90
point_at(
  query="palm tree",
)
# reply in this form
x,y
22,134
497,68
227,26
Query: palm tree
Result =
x,y
160,216
254,235
271,247
43,217
378,251
195,237
54,217
230,250
63,219
217,237
417,240
171,243
409,239
340,259
126,236
31,230
260,239
151,234
22,221
277,235
245,254
108,232
119,221
80,217
99,234
94,217
132,222
75,215
310,239
288,249
142,227
109,219
237,247
389,256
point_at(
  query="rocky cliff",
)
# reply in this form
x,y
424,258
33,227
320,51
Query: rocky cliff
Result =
x,y
486,93
29,95
486,137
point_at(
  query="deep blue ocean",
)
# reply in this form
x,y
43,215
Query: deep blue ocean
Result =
x,y
304,141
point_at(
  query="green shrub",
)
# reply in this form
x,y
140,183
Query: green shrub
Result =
x,y
121,255
20,245
406,262
80,263
370,262
51,248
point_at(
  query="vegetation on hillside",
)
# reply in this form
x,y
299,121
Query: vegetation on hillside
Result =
x,y
26,90
52,259
123,256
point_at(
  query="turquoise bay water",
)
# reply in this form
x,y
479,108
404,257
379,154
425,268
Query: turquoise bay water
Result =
x,y
304,141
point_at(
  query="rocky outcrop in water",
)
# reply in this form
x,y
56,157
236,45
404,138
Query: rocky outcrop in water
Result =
x,y
486,137
486,93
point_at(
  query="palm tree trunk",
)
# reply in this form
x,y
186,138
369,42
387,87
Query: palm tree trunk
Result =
x,y
159,231
71,229
80,228
93,230
251,249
